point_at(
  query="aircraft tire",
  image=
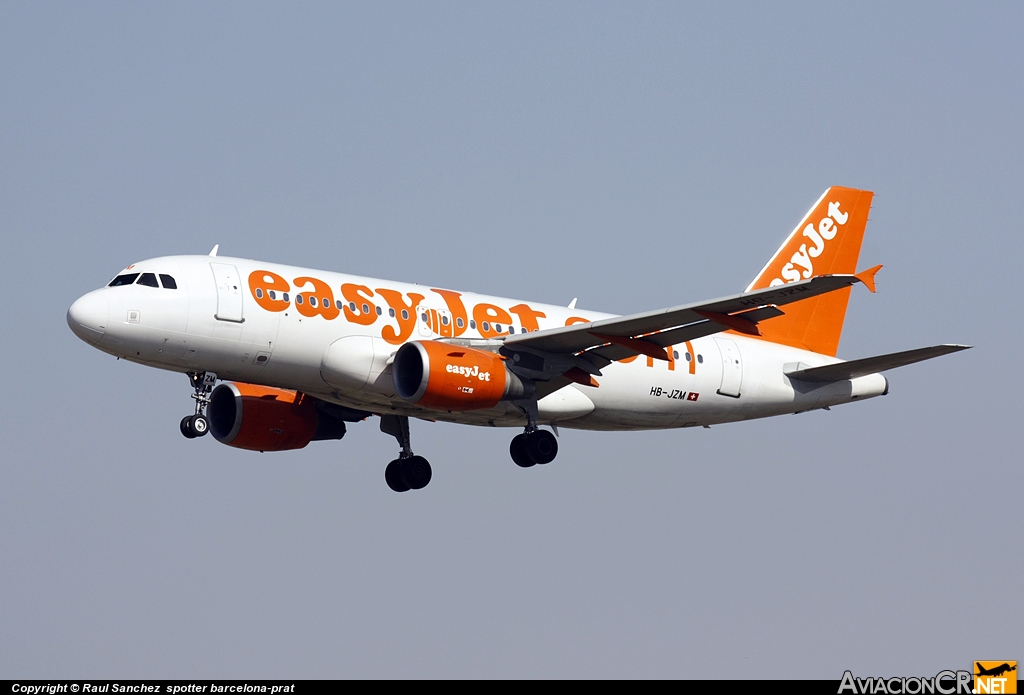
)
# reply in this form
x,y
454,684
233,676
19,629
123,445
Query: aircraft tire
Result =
x,y
393,476
541,446
416,472
186,427
198,425
517,449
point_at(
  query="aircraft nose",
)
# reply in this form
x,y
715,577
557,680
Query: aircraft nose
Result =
x,y
88,316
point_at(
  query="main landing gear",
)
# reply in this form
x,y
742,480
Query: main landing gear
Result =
x,y
408,471
530,448
534,445
197,425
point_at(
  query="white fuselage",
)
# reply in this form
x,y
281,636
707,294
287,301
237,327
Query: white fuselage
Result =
x,y
218,320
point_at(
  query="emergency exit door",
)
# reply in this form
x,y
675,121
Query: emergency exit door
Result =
x,y
732,367
229,292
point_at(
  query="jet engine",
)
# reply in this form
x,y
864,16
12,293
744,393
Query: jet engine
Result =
x,y
450,377
261,418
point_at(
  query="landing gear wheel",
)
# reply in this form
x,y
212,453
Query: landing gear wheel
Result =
x,y
198,425
416,472
541,446
186,428
393,476
517,449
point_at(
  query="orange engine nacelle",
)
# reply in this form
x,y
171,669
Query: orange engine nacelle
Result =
x,y
449,377
261,418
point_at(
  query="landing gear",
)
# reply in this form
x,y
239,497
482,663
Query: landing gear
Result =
x,y
197,425
393,477
412,473
541,446
408,471
518,451
530,448
534,445
193,426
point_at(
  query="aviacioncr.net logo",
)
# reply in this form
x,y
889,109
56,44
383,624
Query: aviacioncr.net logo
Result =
x,y
995,677
943,683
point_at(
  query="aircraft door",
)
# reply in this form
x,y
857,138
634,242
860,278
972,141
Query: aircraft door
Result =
x,y
732,367
445,328
229,292
423,322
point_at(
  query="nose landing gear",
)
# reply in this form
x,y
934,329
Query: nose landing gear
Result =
x,y
197,425
193,426
408,471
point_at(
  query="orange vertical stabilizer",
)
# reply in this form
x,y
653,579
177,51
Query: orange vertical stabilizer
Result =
x,y
826,242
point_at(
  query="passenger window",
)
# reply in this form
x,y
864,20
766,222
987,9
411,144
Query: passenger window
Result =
x,y
168,282
379,312
149,280
459,322
123,280
298,298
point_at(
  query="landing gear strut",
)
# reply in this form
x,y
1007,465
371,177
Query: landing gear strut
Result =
x,y
408,471
534,445
197,425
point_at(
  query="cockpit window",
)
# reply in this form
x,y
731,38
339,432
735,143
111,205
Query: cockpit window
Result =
x,y
126,279
168,282
149,280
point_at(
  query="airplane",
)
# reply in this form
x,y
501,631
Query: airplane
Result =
x,y
995,671
301,353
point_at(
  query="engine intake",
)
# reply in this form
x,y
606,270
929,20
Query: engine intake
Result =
x,y
449,377
261,418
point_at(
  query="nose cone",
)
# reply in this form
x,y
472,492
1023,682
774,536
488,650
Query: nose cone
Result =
x,y
88,316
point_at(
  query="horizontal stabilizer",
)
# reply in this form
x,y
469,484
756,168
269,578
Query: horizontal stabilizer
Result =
x,y
872,365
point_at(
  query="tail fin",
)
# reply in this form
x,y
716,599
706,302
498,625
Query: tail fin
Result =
x,y
827,241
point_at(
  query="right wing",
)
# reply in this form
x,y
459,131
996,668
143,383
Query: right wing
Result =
x,y
651,332
557,356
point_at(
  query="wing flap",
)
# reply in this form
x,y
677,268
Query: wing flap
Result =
x,y
872,365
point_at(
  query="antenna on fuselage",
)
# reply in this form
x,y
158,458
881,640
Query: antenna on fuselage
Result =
x,y
572,304
214,251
